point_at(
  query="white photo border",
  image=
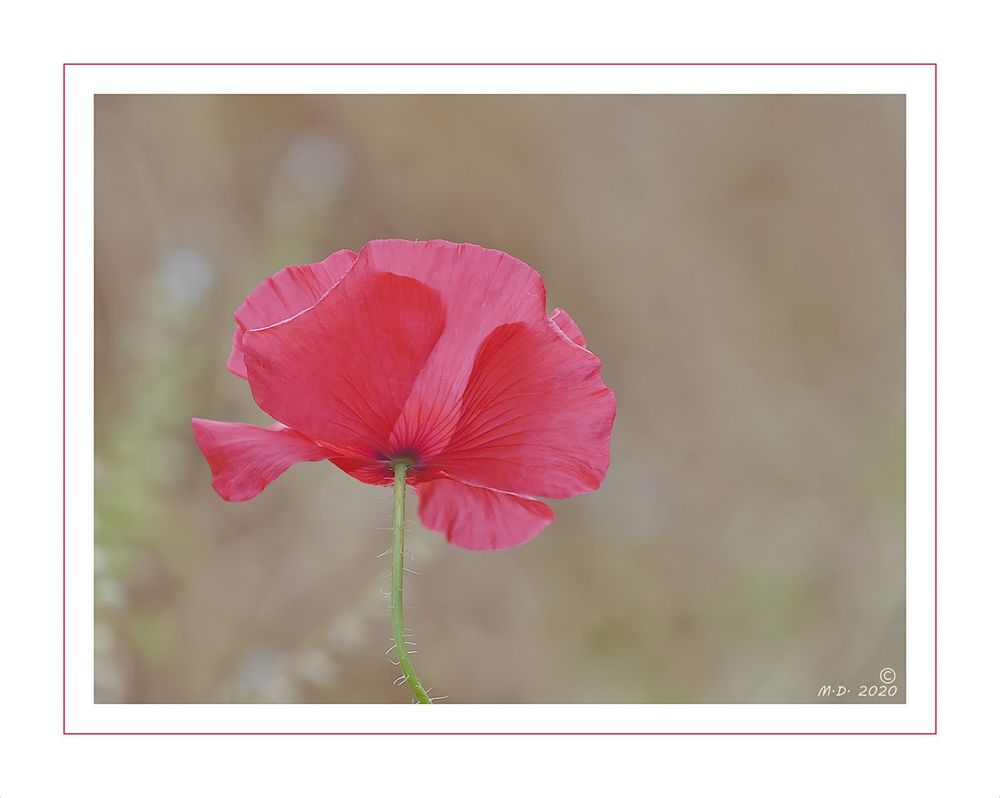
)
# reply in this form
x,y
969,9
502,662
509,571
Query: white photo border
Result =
x,y
918,82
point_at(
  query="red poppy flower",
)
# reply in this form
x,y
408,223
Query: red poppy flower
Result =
x,y
435,352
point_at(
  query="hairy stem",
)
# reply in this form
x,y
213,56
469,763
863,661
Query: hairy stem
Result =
x,y
399,468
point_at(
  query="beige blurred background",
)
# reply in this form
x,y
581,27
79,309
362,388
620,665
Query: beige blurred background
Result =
x,y
736,261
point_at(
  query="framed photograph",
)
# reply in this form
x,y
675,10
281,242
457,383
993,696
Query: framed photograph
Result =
x,y
590,398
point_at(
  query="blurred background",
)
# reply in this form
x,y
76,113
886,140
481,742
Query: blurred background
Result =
x,y
736,261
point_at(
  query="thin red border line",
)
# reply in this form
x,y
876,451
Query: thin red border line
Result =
x,y
718,63
499,63
504,734
935,398
64,398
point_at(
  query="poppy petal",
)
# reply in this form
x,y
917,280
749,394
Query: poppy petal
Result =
x,y
234,363
481,289
341,371
281,296
480,519
245,459
536,417
569,327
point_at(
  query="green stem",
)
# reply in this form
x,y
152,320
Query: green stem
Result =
x,y
399,468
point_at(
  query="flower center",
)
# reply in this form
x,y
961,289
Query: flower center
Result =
x,y
407,457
